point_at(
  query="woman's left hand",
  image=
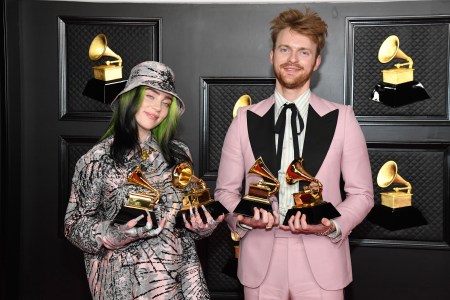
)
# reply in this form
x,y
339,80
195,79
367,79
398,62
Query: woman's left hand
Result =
x,y
196,223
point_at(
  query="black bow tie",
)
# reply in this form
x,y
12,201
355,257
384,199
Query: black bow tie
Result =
x,y
280,127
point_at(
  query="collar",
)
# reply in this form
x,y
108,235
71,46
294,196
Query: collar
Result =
x,y
302,103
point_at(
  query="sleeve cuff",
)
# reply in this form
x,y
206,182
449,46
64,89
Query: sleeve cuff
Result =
x,y
335,236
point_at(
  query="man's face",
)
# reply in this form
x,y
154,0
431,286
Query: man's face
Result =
x,y
294,59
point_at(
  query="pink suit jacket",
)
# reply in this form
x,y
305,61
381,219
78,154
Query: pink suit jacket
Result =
x,y
334,150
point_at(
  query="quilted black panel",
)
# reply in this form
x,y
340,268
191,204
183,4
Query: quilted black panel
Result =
x,y
220,251
425,167
71,149
426,44
134,41
219,99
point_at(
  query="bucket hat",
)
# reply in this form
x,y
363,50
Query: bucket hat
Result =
x,y
155,75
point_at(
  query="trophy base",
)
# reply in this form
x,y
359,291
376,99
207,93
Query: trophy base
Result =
x,y
396,218
314,214
103,91
127,213
395,95
215,209
245,207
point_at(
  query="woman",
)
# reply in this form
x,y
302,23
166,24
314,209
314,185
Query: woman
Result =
x,y
129,261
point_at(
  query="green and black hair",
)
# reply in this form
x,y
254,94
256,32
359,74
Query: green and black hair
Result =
x,y
124,128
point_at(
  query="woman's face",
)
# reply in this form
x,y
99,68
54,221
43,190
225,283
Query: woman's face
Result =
x,y
152,112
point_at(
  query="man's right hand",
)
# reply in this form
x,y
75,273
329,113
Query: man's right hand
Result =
x,y
261,219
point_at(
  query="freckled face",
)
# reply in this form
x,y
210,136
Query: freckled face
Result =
x,y
153,111
294,59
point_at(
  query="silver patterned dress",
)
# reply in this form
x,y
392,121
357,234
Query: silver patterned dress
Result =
x,y
161,267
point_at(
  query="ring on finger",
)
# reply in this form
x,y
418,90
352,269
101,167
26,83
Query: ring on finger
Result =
x,y
211,221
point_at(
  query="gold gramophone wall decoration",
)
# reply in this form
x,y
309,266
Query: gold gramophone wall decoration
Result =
x,y
396,210
260,192
107,81
398,87
244,100
308,201
112,69
197,195
399,196
139,203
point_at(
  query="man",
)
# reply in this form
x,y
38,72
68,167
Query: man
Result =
x,y
298,260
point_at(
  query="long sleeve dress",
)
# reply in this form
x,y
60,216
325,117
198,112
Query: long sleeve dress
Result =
x,y
162,267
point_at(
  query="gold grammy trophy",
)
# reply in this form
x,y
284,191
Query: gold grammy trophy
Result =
x,y
107,81
396,198
196,196
260,192
309,201
396,210
398,87
139,203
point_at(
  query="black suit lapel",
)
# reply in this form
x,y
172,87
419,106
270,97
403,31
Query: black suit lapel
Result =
x,y
262,137
319,134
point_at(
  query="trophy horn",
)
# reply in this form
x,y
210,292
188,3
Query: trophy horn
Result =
x,y
99,48
260,168
138,178
388,174
390,49
183,174
295,172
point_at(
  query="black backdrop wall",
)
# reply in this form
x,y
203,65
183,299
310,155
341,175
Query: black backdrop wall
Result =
x,y
218,52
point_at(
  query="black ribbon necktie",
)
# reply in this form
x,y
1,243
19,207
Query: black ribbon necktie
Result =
x,y
280,127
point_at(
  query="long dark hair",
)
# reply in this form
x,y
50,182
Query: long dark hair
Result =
x,y
124,128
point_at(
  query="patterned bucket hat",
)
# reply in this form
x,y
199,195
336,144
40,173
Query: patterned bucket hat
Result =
x,y
155,75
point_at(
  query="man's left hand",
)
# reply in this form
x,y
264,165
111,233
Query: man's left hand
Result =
x,y
297,224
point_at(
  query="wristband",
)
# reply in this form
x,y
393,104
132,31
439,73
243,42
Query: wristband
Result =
x,y
243,226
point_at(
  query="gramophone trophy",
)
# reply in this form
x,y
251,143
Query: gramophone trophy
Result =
x,y
258,193
396,198
107,81
198,195
309,201
139,203
396,210
398,87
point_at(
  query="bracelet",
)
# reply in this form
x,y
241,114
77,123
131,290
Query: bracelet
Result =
x,y
243,226
330,230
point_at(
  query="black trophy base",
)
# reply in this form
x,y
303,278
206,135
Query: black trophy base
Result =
x,y
245,207
127,213
314,214
215,209
103,91
395,95
396,218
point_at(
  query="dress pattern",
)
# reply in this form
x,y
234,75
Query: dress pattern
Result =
x,y
161,267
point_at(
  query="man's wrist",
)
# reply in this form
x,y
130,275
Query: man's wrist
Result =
x,y
329,231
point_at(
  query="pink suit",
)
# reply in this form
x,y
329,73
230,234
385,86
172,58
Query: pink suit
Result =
x,y
334,149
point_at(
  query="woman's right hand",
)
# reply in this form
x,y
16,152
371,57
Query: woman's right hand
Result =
x,y
131,230
117,236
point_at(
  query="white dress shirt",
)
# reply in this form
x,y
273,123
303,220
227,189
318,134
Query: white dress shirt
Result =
x,y
285,197
286,200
